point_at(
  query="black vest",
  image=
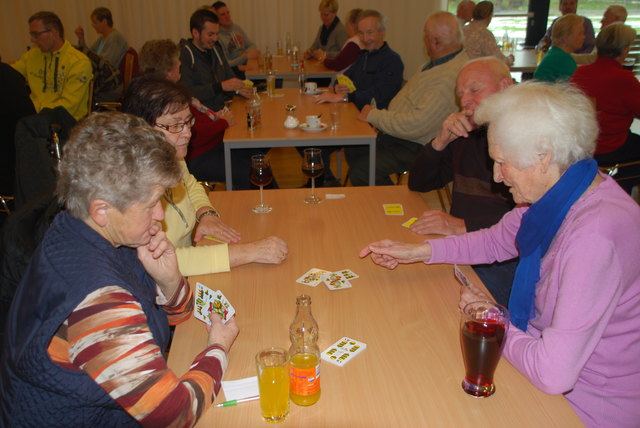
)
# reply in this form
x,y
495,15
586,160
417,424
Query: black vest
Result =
x,y
71,262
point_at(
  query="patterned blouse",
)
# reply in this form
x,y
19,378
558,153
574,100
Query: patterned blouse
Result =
x,y
107,337
478,42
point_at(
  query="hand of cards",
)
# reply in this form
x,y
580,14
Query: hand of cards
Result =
x,y
344,80
207,301
333,280
343,351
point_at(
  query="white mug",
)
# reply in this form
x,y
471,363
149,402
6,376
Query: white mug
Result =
x,y
310,87
313,121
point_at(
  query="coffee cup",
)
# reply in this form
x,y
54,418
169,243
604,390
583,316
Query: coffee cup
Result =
x,y
310,87
313,121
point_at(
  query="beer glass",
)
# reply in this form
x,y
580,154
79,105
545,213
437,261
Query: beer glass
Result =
x,y
273,382
483,328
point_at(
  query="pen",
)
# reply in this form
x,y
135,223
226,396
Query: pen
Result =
x,y
235,402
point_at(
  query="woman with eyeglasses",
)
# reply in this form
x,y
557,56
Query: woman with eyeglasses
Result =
x,y
165,105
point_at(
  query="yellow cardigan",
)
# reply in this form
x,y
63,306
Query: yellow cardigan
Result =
x,y
188,197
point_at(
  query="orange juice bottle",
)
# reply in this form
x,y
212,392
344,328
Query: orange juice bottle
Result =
x,y
304,355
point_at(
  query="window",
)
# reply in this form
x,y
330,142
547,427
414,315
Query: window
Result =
x,y
511,15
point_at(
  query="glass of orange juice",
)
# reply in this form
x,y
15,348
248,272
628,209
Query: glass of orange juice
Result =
x,y
273,381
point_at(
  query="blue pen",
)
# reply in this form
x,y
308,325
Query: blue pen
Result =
x,y
235,402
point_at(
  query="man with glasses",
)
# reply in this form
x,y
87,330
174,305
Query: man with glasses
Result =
x,y
56,72
377,75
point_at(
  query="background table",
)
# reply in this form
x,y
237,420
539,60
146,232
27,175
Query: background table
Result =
x,y
272,133
282,69
410,373
525,61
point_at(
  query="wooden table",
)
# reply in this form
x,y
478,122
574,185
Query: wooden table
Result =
x,y
282,69
525,61
272,133
410,373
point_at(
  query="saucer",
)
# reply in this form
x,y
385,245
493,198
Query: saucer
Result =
x,y
305,127
316,92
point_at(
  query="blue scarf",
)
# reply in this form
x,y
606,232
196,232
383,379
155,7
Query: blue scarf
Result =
x,y
537,229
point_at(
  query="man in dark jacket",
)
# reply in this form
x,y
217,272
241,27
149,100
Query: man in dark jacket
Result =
x,y
459,153
204,69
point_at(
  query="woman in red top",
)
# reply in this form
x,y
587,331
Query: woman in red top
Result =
x,y
616,93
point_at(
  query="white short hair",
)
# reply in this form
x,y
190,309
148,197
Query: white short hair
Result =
x,y
533,118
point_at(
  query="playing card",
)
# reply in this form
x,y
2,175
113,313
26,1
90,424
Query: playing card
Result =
x,y
202,297
343,351
221,305
347,274
313,277
336,281
460,276
206,301
409,222
393,209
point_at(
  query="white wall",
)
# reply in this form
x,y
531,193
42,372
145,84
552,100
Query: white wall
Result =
x,y
264,20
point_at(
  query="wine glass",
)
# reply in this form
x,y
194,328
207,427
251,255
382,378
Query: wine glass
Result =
x,y
312,167
261,175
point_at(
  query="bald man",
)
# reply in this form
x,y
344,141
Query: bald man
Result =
x,y
414,115
614,13
459,153
464,11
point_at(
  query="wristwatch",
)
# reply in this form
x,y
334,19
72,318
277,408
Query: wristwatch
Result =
x,y
210,212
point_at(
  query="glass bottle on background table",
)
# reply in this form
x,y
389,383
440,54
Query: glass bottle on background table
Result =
x,y
304,355
254,111
302,76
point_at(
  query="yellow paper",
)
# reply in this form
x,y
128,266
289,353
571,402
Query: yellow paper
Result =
x,y
393,209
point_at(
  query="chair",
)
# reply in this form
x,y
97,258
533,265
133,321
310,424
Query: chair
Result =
x,y
39,142
613,170
4,204
129,67
401,178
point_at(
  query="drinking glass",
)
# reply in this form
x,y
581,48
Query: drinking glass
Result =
x,y
334,116
261,175
483,327
273,382
312,167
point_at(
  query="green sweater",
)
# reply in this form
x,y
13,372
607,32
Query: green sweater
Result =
x,y
556,65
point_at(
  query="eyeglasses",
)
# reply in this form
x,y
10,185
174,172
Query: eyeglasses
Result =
x,y
35,34
177,127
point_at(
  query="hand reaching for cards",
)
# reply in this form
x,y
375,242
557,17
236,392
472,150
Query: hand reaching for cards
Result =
x,y
211,225
438,222
471,293
159,260
389,254
269,250
220,333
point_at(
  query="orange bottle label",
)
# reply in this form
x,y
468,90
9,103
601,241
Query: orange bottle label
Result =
x,y
304,381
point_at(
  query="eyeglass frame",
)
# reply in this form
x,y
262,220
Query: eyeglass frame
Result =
x,y
169,128
36,34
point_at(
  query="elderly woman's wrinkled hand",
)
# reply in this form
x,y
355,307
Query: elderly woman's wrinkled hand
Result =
x,y
159,259
220,333
470,294
389,254
214,226
271,250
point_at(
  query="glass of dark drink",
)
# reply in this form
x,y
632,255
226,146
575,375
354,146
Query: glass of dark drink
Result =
x,y
261,176
312,167
483,328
